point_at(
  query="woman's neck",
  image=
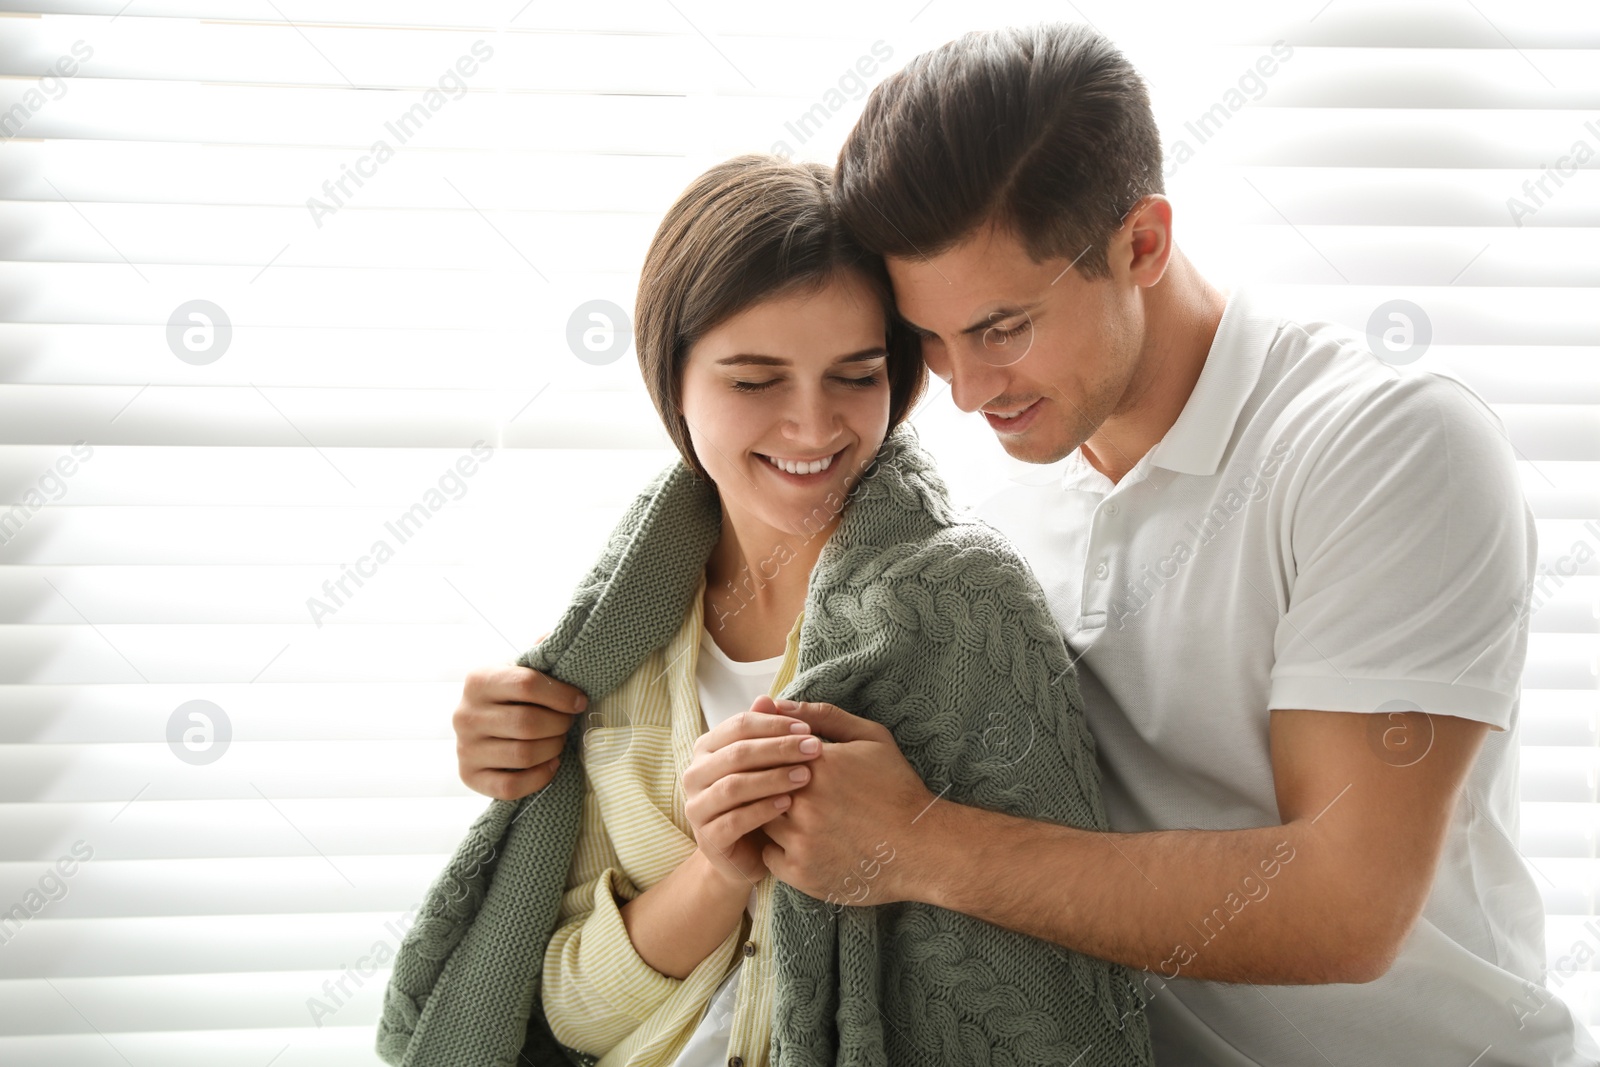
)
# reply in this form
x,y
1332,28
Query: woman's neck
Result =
x,y
756,582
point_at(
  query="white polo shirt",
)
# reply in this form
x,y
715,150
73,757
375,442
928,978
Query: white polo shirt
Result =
x,y
1317,530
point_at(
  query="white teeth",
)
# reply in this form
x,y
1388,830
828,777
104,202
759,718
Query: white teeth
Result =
x,y
794,467
997,415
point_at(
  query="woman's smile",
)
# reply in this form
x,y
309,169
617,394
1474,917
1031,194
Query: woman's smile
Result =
x,y
799,470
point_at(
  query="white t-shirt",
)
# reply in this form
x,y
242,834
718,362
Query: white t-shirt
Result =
x,y
726,687
1317,530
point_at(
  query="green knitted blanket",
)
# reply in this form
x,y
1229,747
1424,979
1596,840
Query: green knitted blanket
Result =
x,y
915,617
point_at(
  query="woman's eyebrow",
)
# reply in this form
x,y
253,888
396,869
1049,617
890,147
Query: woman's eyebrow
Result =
x,y
751,359
864,355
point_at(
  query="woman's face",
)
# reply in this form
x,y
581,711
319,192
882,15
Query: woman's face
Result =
x,y
800,378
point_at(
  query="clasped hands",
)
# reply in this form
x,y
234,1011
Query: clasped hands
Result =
x,y
766,796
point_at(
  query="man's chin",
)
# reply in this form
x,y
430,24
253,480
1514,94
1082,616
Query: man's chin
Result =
x,y
1035,447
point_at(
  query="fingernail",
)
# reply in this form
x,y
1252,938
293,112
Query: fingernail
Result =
x,y
780,802
797,775
809,745
786,704
583,703
799,728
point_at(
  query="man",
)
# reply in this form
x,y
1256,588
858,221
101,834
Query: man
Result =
x,y
1294,581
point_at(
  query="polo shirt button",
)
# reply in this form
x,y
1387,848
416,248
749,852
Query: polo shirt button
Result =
x,y
1101,571
735,1061
749,948
1111,509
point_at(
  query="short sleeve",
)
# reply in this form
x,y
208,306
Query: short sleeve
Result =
x,y
1413,552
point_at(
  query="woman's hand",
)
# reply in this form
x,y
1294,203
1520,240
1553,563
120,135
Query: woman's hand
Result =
x,y
739,779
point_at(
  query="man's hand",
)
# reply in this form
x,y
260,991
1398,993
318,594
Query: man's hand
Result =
x,y
511,726
739,780
860,809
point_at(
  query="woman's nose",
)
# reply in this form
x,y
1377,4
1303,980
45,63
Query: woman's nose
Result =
x,y
814,420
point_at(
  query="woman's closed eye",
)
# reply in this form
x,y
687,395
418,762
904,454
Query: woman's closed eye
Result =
x,y
755,387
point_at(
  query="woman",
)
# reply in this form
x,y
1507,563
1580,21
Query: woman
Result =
x,y
806,548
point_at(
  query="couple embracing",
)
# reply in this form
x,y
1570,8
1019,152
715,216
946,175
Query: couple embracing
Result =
x,y
839,796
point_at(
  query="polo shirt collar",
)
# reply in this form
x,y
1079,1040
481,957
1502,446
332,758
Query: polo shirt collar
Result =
x,y
1195,443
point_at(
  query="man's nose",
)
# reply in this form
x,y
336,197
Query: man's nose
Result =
x,y
973,382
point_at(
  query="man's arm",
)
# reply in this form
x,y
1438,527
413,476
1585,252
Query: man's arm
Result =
x,y
1328,896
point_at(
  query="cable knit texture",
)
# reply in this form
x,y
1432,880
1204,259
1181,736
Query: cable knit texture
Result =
x,y
925,621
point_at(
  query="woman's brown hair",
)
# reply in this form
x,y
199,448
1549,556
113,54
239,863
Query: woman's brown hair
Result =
x,y
744,231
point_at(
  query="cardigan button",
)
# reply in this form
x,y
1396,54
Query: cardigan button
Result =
x,y
749,948
735,1061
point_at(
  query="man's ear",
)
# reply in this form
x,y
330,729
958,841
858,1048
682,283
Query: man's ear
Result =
x,y
1145,240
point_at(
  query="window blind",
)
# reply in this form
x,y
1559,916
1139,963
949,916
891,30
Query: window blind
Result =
x,y
315,392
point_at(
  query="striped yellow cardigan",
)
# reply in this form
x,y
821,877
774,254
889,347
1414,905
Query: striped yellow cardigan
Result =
x,y
598,993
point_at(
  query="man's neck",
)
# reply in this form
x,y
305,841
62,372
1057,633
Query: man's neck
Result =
x,y
1182,313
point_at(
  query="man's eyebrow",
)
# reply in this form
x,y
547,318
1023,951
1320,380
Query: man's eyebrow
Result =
x,y
982,324
751,359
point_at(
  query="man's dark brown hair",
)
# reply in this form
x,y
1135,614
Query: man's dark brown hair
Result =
x,y
747,230
1046,130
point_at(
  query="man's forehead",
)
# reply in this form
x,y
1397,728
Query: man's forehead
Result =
x,y
957,286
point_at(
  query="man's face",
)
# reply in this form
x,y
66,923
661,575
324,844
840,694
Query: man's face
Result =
x,y
1035,340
